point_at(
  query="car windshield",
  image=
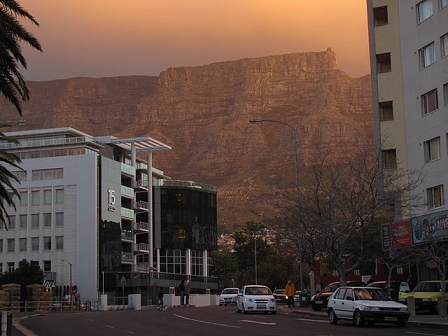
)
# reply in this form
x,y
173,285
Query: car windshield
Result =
x,y
257,291
230,291
279,291
372,294
428,287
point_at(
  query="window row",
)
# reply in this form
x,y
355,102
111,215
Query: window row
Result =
x,y
424,10
427,54
54,153
23,244
40,197
431,151
429,104
38,221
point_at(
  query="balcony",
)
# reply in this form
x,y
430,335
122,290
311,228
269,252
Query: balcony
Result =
x,y
127,170
141,227
141,248
127,213
127,192
140,185
140,206
127,257
127,235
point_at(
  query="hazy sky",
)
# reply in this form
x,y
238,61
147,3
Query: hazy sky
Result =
x,y
103,38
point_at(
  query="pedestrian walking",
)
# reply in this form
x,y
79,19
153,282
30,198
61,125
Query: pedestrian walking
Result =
x,y
160,296
187,292
181,290
290,291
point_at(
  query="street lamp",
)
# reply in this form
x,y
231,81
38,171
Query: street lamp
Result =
x,y
255,254
71,290
296,165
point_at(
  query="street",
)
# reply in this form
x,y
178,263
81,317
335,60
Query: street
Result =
x,y
214,320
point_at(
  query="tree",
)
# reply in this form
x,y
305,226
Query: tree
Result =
x,y
12,85
27,273
342,205
224,268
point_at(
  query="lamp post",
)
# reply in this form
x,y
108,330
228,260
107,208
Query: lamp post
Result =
x,y
255,255
71,290
296,166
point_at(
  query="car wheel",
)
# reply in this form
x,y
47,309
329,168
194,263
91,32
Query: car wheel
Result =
x,y
357,319
274,312
333,317
244,310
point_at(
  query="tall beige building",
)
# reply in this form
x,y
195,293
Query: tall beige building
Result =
x,y
409,63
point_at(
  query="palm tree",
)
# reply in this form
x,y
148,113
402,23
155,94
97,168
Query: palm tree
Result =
x,y
12,87
12,83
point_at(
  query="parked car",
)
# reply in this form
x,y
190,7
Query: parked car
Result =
x,y
393,288
280,296
256,298
425,294
319,301
366,305
228,296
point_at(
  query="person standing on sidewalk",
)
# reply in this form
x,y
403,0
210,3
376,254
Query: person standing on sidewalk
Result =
x,y
290,291
187,292
181,289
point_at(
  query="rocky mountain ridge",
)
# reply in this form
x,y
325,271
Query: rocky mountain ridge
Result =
x,y
203,114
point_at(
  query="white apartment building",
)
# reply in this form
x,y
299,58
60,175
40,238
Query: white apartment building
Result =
x,y
409,63
86,213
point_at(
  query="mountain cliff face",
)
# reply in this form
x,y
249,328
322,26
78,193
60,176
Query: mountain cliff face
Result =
x,y
203,114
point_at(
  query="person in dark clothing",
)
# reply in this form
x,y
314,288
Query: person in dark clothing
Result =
x,y
160,296
181,289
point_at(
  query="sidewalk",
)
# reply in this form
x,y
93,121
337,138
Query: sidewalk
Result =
x,y
420,320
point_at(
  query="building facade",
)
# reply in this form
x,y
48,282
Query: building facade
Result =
x,y
96,215
409,63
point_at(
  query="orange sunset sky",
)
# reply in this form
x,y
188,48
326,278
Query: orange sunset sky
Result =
x,y
103,38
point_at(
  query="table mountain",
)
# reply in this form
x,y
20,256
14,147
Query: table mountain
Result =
x,y
203,113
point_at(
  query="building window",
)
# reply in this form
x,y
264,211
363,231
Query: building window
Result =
x,y
12,222
59,242
10,267
400,270
389,158
24,198
47,243
47,174
59,219
435,197
21,175
427,55
1,246
11,244
34,244
443,3
429,102
23,221
380,17
48,197
47,265
445,94
432,149
424,10
35,197
60,196
383,63
22,244
444,45
386,111
35,221
1,268
47,219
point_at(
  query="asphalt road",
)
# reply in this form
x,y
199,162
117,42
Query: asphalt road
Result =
x,y
206,321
